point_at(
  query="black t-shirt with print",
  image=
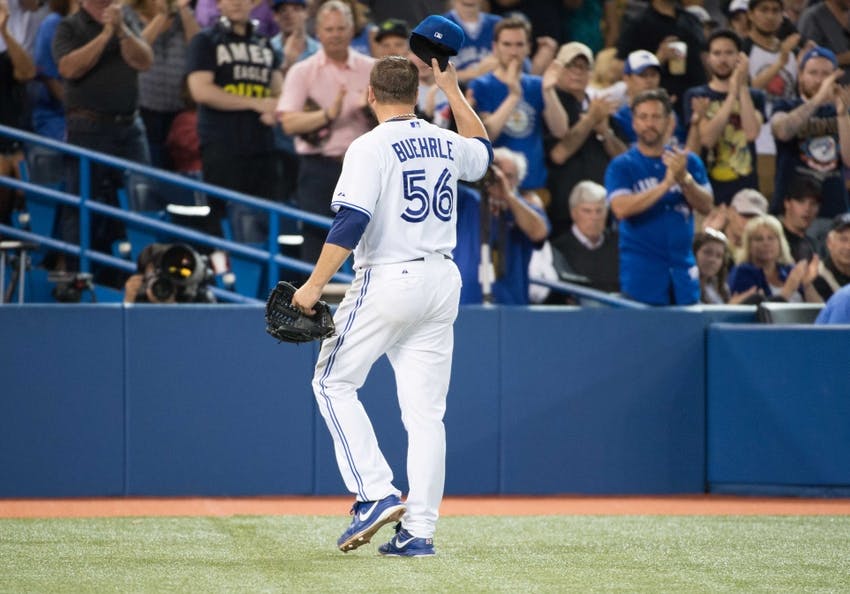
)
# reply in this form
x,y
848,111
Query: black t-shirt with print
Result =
x,y
241,65
813,151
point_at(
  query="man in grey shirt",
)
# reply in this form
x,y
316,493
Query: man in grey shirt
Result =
x,y
828,24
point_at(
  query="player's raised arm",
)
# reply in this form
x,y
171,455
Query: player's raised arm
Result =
x,y
468,122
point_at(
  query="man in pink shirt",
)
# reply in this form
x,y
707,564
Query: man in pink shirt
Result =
x,y
323,105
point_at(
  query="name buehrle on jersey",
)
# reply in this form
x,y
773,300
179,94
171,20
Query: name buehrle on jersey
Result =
x,y
423,147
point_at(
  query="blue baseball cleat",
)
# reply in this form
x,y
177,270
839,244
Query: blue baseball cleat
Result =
x,y
404,544
369,516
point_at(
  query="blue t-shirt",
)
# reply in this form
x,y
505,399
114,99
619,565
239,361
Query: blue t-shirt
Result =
x,y
745,275
475,47
657,264
814,150
48,113
523,132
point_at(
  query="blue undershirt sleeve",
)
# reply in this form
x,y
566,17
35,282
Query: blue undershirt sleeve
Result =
x,y
348,227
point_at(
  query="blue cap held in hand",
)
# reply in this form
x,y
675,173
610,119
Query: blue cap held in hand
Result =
x,y
436,37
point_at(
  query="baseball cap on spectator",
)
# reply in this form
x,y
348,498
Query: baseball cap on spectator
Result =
x,y
640,60
841,222
819,52
751,5
572,50
391,27
738,6
276,3
749,202
436,37
701,14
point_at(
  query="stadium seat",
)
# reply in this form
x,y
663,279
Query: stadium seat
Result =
x,y
770,312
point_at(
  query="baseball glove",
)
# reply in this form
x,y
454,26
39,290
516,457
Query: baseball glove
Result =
x,y
287,323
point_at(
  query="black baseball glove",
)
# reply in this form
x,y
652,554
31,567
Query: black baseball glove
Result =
x,y
287,323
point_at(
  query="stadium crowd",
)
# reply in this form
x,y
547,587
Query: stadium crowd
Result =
x,y
672,151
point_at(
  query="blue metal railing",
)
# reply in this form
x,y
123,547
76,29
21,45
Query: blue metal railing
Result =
x,y
273,261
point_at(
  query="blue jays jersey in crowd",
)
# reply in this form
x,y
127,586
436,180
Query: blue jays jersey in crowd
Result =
x,y
523,131
477,44
656,259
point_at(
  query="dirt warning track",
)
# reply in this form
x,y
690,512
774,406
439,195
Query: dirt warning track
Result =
x,y
452,506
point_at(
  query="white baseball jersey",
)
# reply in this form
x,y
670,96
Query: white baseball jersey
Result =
x,y
403,175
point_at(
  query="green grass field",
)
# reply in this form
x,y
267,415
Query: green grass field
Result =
x,y
475,554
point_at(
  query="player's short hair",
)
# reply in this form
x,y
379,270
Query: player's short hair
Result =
x,y
394,79
658,94
512,22
336,6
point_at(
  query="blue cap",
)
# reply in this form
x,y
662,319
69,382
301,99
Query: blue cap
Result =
x,y
640,60
819,52
436,37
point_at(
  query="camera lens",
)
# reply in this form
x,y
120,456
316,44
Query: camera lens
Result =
x,y
161,288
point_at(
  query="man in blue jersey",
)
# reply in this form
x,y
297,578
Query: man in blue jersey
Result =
x,y
653,190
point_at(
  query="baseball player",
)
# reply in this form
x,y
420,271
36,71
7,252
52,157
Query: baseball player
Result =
x,y
396,202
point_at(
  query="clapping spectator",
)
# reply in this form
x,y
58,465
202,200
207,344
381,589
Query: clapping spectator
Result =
x,y
514,106
323,105
590,143
813,135
732,120
168,26
48,113
293,42
834,270
100,53
765,263
25,18
654,189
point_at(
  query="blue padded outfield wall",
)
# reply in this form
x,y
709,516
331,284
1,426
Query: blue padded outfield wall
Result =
x,y
104,400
